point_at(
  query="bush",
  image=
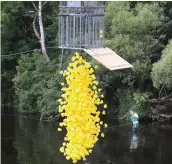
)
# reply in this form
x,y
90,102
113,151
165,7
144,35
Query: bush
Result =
x,y
36,85
162,70
135,101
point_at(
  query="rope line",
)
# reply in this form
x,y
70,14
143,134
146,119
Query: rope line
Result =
x,y
19,53
25,52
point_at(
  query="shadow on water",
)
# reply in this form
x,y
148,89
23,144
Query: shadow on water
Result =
x,y
26,141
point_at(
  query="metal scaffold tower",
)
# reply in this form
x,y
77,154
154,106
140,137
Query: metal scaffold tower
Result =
x,y
81,26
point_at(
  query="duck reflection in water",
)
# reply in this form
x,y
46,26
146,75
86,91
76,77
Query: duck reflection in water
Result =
x,y
134,142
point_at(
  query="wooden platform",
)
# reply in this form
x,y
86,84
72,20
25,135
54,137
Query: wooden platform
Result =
x,y
108,58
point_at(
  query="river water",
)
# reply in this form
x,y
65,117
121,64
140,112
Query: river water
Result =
x,y
29,141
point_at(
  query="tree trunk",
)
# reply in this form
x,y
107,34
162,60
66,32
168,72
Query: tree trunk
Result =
x,y
34,28
42,37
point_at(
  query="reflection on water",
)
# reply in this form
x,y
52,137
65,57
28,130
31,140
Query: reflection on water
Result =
x,y
134,142
34,142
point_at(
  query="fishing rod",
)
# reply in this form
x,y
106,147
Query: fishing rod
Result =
x,y
119,125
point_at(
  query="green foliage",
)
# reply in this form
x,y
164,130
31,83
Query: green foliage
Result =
x,y
137,31
17,31
16,27
133,100
17,35
162,70
111,8
134,36
47,101
7,74
139,20
36,85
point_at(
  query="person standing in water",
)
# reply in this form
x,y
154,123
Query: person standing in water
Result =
x,y
135,119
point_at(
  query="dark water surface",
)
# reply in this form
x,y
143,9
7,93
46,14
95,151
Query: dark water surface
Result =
x,y
26,141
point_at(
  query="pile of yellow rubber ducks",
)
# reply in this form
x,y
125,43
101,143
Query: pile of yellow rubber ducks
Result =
x,y
78,106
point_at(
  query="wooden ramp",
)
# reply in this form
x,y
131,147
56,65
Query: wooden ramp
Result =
x,y
108,58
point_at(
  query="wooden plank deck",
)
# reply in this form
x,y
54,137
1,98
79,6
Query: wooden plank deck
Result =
x,y
108,58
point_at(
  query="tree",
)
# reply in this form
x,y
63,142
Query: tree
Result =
x,y
137,31
20,15
40,36
16,30
132,33
162,70
36,85
18,35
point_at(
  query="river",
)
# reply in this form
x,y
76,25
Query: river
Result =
x,y
29,141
